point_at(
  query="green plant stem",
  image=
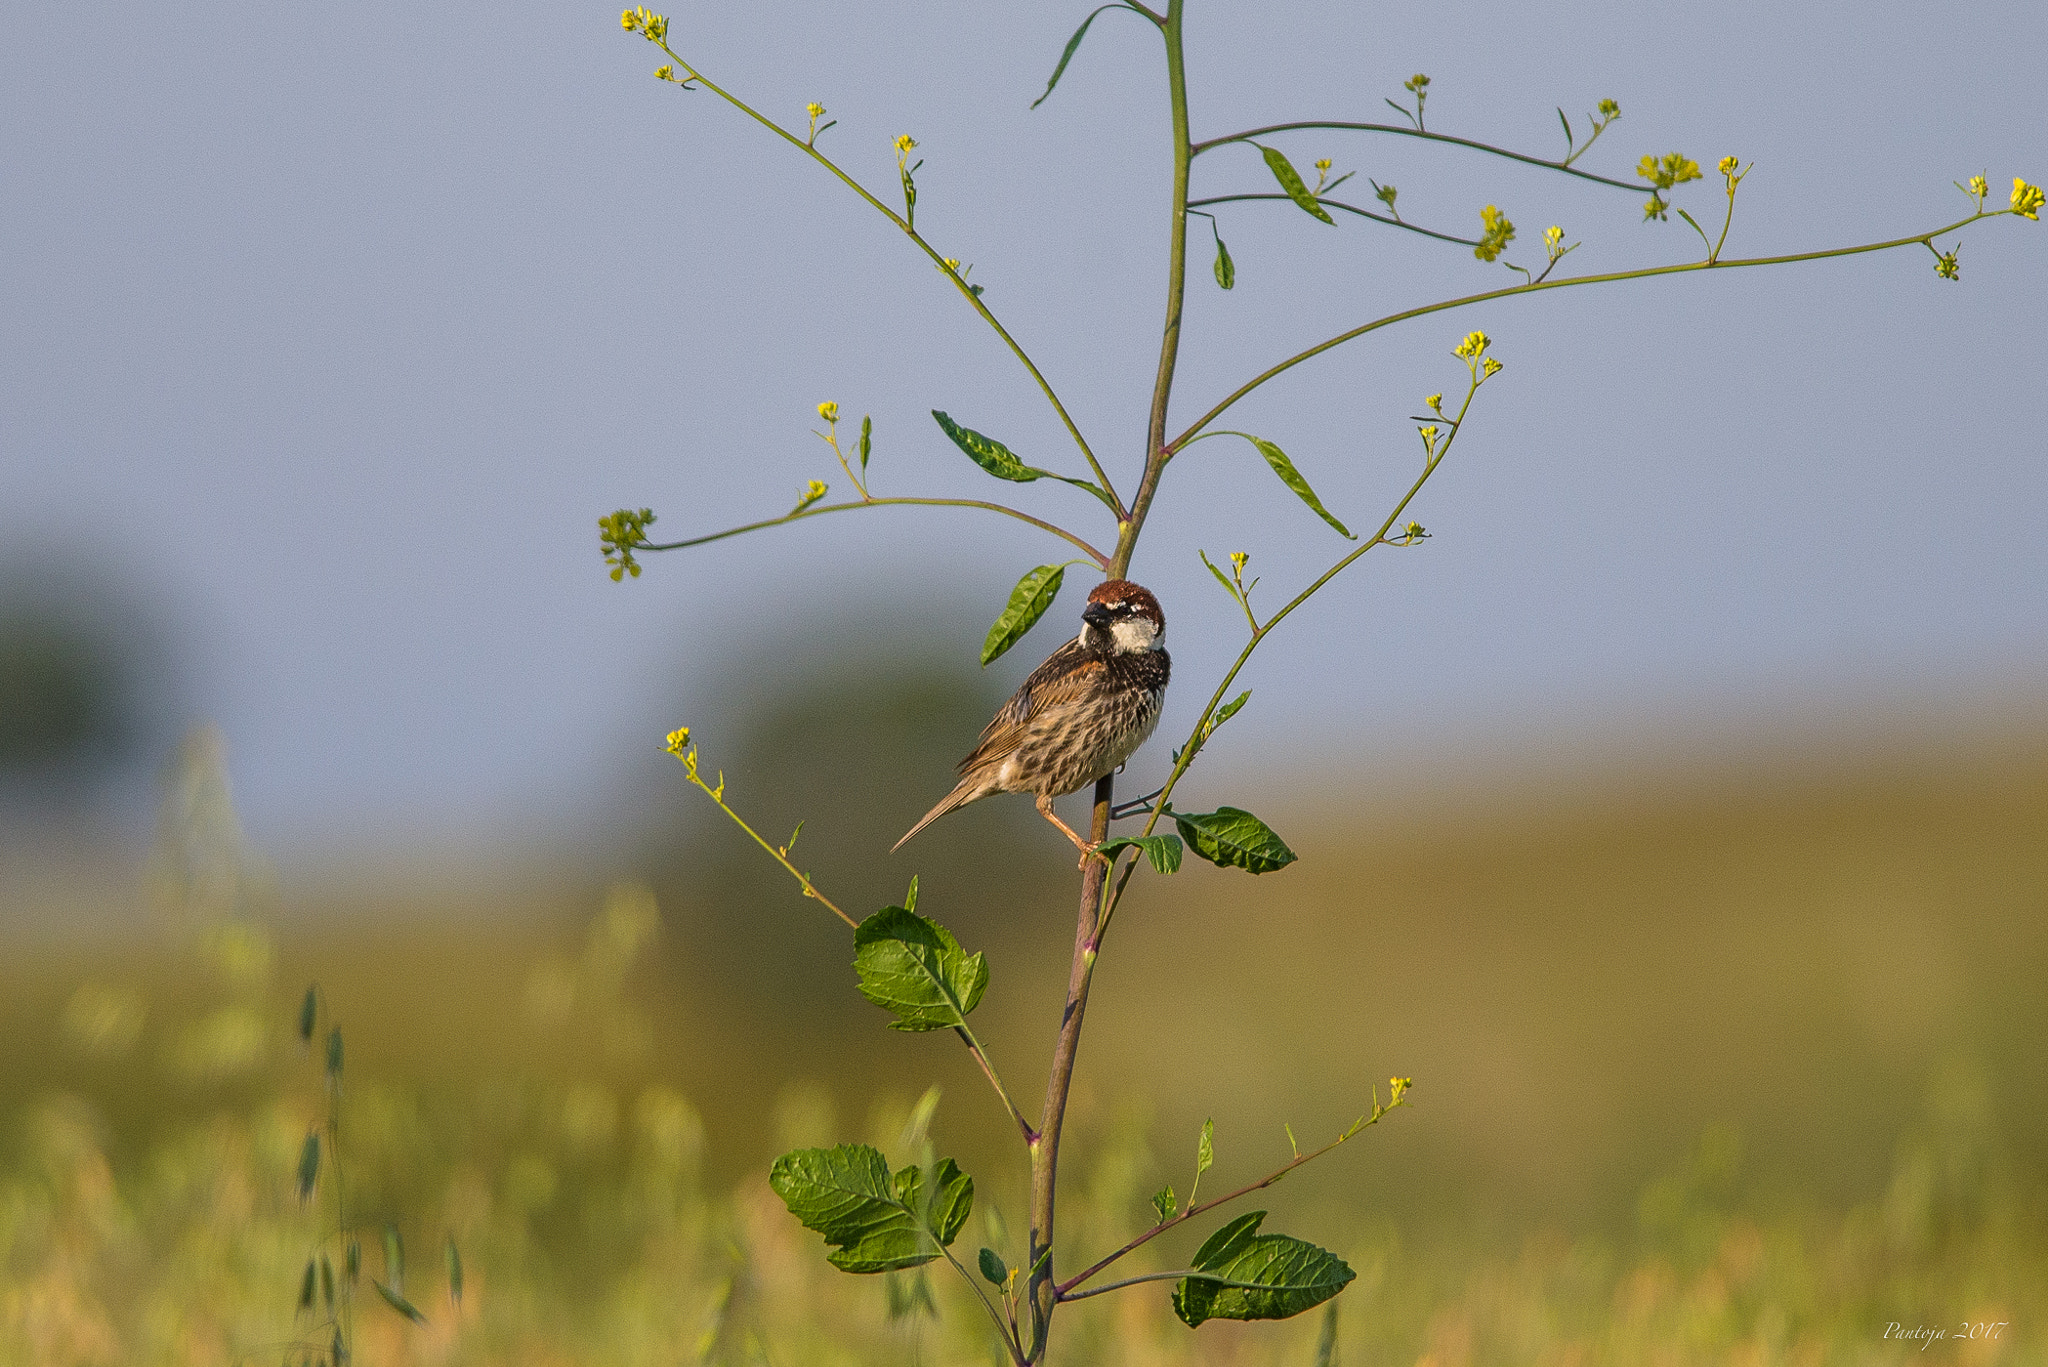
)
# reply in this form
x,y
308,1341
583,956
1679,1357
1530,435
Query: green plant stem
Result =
x,y
716,795
1184,1274
1156,452
1194,204
1003,1331
937,258
819,509
1066,1289
1511,291
988,1070
1487,147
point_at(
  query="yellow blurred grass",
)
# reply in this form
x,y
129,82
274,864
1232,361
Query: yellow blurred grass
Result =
x,y
1737,1069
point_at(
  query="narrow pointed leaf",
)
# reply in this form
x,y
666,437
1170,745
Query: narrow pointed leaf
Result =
x,y
1260,1276
1568,139
309,1011
399,1303
877,1223
1164,851
915,969
454,1271
910,897
990,454
334,1053
1205,1149
867,438
1291,181
1226,269
1291,477
326,1282
1028,601
1230,837
1073,46
1228,710
306,1286
394,1256
309,1165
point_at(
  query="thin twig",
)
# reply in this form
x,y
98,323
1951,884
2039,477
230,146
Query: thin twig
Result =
x,y
1486,147
818,509
1347,208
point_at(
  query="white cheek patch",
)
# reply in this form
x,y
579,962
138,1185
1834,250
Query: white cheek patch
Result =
x,y
1133,633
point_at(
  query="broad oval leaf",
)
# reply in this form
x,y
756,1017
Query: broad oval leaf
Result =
x,y
877,1223
990,454
1291,477
1230,837
1258,1276
993,1270
1226,269
1028,601
1164,851
914,968
1291,181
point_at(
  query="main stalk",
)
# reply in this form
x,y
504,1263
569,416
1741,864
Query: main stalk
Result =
x,y
1045,1150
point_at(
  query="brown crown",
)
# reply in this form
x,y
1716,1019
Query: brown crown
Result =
x,y
1113,591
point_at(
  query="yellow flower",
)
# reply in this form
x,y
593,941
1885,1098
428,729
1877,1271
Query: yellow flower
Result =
x,y
904,144
1428,435
1946,265
628,20
1238,560
678,740
815,110
1674,169
1492,367
1728,165
1323,165
1980,187
951,263
1416,82
1553,236
2026,199
1436,404
1399,1086
1609,110
1473,347
829,411
664,73
1498,232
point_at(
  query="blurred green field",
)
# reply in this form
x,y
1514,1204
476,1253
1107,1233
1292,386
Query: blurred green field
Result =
x,y
1740,1066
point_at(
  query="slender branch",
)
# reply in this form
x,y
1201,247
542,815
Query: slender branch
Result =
x,y
679,746
1489,295
988,1070
938,259
817,509
1347,208
1364,1122
1486,147
1004,1331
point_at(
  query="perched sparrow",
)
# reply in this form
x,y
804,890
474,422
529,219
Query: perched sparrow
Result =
x,y
1079,715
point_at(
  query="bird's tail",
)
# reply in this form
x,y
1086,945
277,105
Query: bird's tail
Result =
x,y
959,797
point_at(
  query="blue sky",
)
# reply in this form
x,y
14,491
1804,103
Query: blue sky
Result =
x,y
333,330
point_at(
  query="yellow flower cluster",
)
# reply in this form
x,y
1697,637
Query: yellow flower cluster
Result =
x,y
678,740
1674,169
904,145
2026,199
1609,110
621,533
829,411
815,110
1946,265
813,491
643,20
1436,404
1497,233
1473,347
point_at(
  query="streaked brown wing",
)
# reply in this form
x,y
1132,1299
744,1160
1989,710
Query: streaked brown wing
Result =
x,y
1068,675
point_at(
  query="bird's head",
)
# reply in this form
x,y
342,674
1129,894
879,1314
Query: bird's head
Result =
x,y
1122,618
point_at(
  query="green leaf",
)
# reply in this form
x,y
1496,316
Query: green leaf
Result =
x,y
1028,601
910,897
877,1223
1205,1149
993,1270
1568,140
1291,477
1232,838
914,968
1227,711
306,1286
1226,269
334,1053
399,1303
990,454
326,1282
1274,1276
1291,181
1163,850
1000,461
309,1165
454,1271
1164,1202
394,1256
1073,46
308,1012
867,438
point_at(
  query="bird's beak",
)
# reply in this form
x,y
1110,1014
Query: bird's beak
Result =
x,y
1096,615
